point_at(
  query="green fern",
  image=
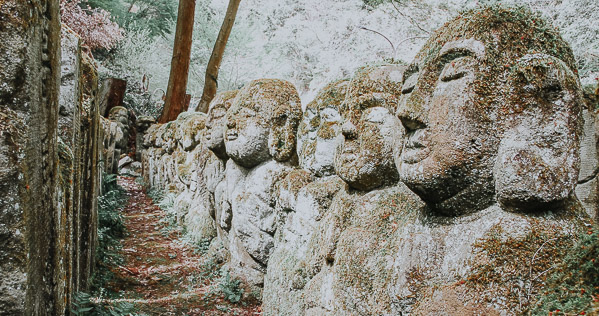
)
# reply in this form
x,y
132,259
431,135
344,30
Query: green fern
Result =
x,y
82,304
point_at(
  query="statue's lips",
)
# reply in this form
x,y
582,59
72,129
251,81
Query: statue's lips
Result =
x,y
231,135
413,151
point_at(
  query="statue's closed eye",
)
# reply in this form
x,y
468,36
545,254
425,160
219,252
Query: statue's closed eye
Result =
x,y
456,68
280,118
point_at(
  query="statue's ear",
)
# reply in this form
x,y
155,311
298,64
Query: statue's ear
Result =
x,y
282,138
538,157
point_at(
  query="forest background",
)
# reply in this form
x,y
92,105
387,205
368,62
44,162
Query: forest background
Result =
x,y
308,42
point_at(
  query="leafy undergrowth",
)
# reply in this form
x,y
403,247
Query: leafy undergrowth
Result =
x,y
574,288
161,275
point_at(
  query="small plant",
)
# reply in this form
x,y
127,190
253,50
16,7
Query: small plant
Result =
x,y
209,269
155,194
230,288
84,304
202,246
111,229
140,181
224,309
167,203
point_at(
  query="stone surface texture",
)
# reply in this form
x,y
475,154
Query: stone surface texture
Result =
x,y
175,160
587,189
47,161
29,87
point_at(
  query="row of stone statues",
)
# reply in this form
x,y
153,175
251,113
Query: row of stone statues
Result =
x,y
378,197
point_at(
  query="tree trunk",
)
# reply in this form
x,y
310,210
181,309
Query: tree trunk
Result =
x,y
211,81
177,83
112,94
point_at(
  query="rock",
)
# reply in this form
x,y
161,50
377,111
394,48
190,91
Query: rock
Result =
x,y
368,124
89,178
189,134
125,161
216,122
453,177
113,135
354,233
587,189
130,168
142,124
318,129
214,171
120,116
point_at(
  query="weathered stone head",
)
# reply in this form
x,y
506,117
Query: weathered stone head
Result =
x,y
491,107
318,129
262,122
119,114
190,129
216,123
364,156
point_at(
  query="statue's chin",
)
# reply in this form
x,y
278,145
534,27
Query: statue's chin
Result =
x,y
246,157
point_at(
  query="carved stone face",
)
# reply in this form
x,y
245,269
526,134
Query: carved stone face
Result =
x,y
119,114
318,129
216,123
246,137
364,156
454,105
262,123
447,144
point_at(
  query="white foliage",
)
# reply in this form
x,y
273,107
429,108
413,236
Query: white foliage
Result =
x,y
313,42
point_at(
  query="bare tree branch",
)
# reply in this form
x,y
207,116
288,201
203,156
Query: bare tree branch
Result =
x,y
381,34
409,18
410,38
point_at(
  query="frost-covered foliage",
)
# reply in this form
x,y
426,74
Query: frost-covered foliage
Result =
x,y
233,73
155,16
313,42
145,63
95,26
310,42
138,54
578,22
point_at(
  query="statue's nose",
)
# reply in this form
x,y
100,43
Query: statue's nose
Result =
x,y
410,118
230,123
349,130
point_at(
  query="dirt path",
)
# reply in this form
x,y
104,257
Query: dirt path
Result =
x,y
161,274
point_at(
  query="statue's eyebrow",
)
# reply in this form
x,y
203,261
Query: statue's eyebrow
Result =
x,y
460,48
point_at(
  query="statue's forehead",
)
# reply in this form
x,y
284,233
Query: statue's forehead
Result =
x,y
468,46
